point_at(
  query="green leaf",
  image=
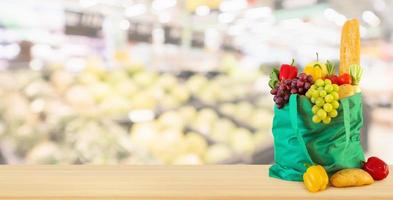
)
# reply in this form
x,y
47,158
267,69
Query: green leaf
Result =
x,y
331,69
274,78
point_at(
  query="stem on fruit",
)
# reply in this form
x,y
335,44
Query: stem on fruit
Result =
x,y
293,61
317,56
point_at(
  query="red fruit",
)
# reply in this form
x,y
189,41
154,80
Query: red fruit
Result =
x,y
377,168
333,79
344,79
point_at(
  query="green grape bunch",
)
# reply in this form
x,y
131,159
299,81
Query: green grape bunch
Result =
x,y
324,96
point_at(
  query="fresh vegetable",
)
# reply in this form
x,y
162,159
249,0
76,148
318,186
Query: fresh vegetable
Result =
x,y
350,46
351,177
315,69
344,78
356,72
331,70
346,90
315,178
274,78
324,95
377,168
298,85
288,71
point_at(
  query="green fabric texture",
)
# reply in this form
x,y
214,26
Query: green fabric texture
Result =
x,y
298,141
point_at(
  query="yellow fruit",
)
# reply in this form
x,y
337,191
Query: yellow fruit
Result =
x,y
316,119
333,113
327,120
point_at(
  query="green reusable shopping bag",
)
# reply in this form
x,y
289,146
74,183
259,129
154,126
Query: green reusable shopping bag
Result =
x,y
299,141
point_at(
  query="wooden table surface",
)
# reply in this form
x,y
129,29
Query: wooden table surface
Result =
x,y
166,182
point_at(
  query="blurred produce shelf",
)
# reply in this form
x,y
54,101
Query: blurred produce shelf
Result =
x,y
132,115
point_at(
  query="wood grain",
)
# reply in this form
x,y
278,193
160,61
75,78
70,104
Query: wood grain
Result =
x,y
165,182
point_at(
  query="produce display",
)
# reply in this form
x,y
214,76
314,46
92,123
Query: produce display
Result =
x,y
130,115
317,113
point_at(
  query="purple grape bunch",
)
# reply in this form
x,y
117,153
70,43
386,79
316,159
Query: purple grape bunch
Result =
x,y
285,88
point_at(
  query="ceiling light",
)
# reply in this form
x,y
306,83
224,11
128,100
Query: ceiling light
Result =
x,y
233,5
159,5
340,19
329,13
256,13
164,18
370,18
135,10
334,16
87,3
298,3
124,24
202,10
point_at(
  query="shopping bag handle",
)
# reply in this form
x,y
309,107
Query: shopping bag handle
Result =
x,y
347,120
293,116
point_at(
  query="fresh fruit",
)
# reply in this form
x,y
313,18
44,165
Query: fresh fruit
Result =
x,y
298,85
329,98
344,78
319,101
328,87
333,78
288,72
346,90
319,83
316,119
328,107
315,109
335,104
335,95
322,93
315,178
377,168
335,87
321,114
351,177
281,93
327,120
350,46
333,113
325,100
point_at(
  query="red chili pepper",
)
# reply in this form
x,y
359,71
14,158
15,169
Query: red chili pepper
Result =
x,y
288,71
344,78
376,167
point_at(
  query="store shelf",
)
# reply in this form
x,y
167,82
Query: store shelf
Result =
x,y
159,182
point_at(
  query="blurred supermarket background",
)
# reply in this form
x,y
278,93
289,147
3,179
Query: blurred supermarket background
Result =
x,y
172,82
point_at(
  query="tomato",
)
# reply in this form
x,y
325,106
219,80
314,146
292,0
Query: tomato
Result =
x,y
344,78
